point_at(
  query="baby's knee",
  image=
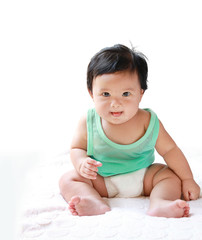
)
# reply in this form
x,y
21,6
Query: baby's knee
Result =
x,y
65,180
166,173
68,180
169,174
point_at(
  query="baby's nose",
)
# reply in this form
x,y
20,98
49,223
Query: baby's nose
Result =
x,y
115,103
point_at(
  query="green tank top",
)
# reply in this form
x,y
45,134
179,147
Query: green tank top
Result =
x,y
117,158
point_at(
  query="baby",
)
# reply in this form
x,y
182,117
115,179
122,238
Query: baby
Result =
x,y
113,148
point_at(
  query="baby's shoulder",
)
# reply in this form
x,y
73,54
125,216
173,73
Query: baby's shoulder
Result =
x,y
81,127
145,117
80,136
83,120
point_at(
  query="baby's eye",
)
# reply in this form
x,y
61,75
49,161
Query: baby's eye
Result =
x,y
126,94
105,94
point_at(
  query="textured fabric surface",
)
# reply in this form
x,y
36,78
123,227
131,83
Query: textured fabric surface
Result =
x,y
45,215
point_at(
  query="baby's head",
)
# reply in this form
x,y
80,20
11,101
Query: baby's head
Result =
x,y
116,59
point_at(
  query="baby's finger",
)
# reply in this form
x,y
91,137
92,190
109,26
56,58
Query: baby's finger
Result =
x,y
186,195
91,167
193,195
89,173
99,164
91,177
94,162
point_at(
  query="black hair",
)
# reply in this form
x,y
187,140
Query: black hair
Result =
x,y
117,58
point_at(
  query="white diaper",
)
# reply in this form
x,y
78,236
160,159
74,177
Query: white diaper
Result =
x,y
126,185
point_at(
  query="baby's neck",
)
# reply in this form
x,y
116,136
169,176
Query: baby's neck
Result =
x,y
125,133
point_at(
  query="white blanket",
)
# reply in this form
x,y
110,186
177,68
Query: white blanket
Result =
x,y
45,214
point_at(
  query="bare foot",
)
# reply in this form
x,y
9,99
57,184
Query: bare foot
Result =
x,y
170,209
87,206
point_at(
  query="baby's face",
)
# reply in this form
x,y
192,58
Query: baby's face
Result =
x,y
117,96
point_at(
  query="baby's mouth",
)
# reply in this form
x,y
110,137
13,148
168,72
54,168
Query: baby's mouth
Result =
x,y
116,114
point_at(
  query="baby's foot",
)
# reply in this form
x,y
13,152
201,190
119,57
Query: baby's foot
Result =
x,y
170,209
87,206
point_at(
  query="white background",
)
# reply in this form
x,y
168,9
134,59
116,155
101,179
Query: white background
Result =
x,y
45,47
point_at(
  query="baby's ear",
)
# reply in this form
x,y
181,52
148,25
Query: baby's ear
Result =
x,y
141,93
91,93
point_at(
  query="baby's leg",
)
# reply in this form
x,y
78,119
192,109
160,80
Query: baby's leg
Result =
x,y
83,195
164,188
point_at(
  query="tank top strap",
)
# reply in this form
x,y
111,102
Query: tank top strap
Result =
x,y
90,127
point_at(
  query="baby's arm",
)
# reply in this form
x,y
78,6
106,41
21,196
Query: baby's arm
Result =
x,y
85,166
176,161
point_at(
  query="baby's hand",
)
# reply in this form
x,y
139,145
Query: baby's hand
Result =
x,y
191,190
89,168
